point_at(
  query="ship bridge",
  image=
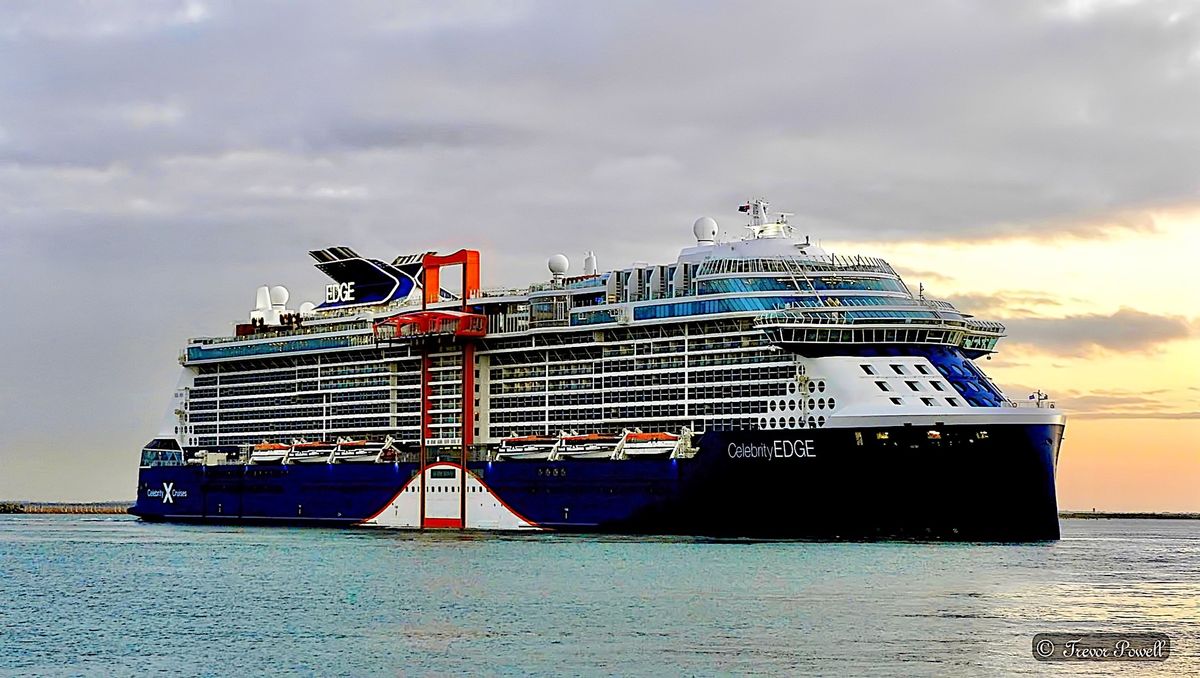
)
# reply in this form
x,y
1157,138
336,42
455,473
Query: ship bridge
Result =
x,y
815,331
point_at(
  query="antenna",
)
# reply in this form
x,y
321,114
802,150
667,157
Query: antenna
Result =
x,y
760,225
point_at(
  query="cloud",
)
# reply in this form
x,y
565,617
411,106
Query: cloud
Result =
x,y
1139,415
970,120
1005,361
1003,303
148,114
920,276
28,22
1114,403
1126,330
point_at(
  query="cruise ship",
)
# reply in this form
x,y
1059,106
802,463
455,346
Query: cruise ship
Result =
x,y
755,387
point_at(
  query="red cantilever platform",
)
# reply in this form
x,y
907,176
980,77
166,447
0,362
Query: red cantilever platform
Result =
x,y
434,323
431,323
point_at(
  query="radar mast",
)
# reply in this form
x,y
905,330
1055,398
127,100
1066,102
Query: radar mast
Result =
x,y
761,225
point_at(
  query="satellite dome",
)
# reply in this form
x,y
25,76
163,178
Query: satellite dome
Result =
x,y
705,229
558,264
307,308
279,295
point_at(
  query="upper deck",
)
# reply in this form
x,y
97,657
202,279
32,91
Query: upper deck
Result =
x,y
801,297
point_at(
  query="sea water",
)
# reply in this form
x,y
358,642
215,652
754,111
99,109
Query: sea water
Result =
x,y
103,595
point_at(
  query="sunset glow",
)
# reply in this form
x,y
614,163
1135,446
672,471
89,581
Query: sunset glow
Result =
x,y
1105,322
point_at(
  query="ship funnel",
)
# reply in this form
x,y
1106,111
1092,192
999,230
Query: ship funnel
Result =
x,y
589,263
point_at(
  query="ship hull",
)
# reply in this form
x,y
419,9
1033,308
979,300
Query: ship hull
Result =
x,y
982,483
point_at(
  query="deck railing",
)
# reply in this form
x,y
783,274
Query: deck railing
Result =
x,y
796,265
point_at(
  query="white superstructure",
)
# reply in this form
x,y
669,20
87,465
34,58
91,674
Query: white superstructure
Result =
x,y
761,333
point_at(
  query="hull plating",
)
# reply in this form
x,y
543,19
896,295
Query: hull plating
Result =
x,y
964,482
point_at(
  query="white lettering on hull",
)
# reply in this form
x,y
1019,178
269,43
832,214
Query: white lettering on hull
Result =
x,y
168,494
776,449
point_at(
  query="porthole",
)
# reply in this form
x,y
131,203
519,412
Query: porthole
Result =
x,y
791,422
831,403
792,405
762,422
792,387
821,386
812,422
821,404
820,421
812,404
771,406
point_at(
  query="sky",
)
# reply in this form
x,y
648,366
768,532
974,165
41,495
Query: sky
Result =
x,y
1036,163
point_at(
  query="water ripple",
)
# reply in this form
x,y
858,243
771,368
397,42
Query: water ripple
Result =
x,y
113,596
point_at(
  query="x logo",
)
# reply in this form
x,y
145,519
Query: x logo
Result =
x,y
167,498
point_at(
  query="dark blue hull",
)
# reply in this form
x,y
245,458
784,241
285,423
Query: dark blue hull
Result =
x,y
993,482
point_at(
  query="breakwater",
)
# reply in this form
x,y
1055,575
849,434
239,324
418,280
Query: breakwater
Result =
x,y
1101,515
104,507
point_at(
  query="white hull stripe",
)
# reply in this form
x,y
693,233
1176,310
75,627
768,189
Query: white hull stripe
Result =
x,y
443,504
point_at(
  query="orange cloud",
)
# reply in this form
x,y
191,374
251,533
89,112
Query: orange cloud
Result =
x,y
1081,335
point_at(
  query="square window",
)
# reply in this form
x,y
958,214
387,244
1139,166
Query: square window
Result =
x,y
922,369
928,401
898,369
913,385
952,401
883,386
897,401
868,369
937,386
